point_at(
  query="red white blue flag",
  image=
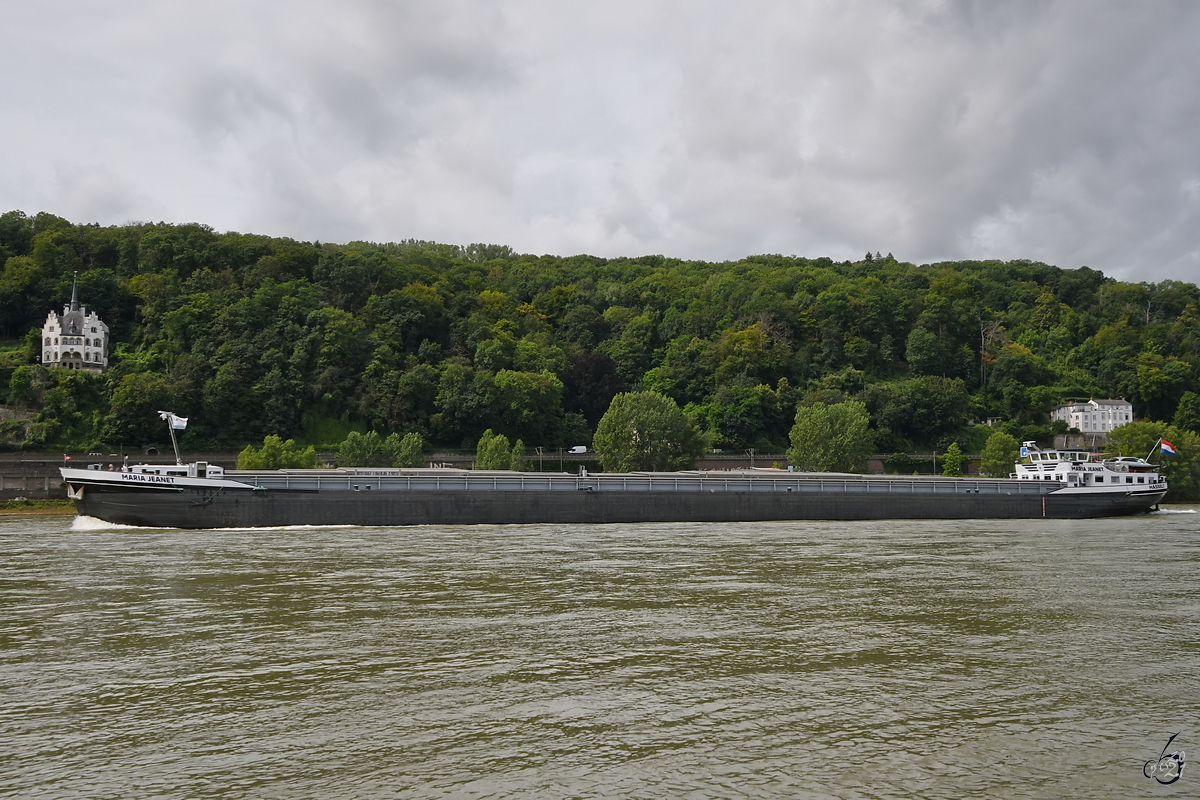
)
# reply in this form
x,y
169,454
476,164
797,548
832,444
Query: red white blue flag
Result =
x,y
1167,448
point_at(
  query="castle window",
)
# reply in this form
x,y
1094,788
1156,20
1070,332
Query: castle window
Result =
x,y
47,340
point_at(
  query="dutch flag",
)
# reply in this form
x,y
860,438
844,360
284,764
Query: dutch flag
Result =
x,y
1167,448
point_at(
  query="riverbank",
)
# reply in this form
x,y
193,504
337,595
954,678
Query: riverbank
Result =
x,y
38,507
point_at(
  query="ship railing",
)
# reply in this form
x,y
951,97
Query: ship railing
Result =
x,y
634,482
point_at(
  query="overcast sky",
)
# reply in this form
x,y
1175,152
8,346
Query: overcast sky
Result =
x,y
1067,132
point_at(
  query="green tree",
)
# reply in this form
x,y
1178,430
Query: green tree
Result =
x,y
466,400
493,451
529,403
1182,471
407,450
831,438
999,455
917,412
372,450
1187,414
277,454
256,334
952,461
517,460
1139,438
362,450
73,409
591,384
646,431
923,352
633,349
22,283
28,384
133,415
1160,383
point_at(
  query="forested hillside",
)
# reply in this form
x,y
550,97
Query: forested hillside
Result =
x,y
249,335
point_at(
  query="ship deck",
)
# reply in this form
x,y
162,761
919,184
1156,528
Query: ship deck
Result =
x,y
739,481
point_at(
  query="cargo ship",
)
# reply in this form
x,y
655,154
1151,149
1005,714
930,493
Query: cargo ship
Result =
x,y
1050,484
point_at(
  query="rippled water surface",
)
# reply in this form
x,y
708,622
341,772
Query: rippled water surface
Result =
x,y
898,659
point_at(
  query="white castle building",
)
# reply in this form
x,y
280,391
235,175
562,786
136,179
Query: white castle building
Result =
x,y
1094,416
75,340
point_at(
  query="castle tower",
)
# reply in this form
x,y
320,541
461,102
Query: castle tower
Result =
x,y
76,339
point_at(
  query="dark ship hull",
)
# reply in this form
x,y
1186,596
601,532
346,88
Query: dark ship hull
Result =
x,y
450,497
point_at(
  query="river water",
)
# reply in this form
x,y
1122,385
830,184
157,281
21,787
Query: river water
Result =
x,y
846,660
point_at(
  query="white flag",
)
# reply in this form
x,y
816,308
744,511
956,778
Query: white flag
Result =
x,y
177,423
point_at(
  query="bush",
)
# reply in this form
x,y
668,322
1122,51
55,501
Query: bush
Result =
x,y
277,454
902,464
372,450
493,452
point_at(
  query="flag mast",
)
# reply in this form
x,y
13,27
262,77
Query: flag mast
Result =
x,y
174,422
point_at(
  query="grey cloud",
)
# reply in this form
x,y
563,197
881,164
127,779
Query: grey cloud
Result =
x,y
1061,131
366,73
97,191
913,138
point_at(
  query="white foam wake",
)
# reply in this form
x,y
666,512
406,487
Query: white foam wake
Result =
x,y
84,523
